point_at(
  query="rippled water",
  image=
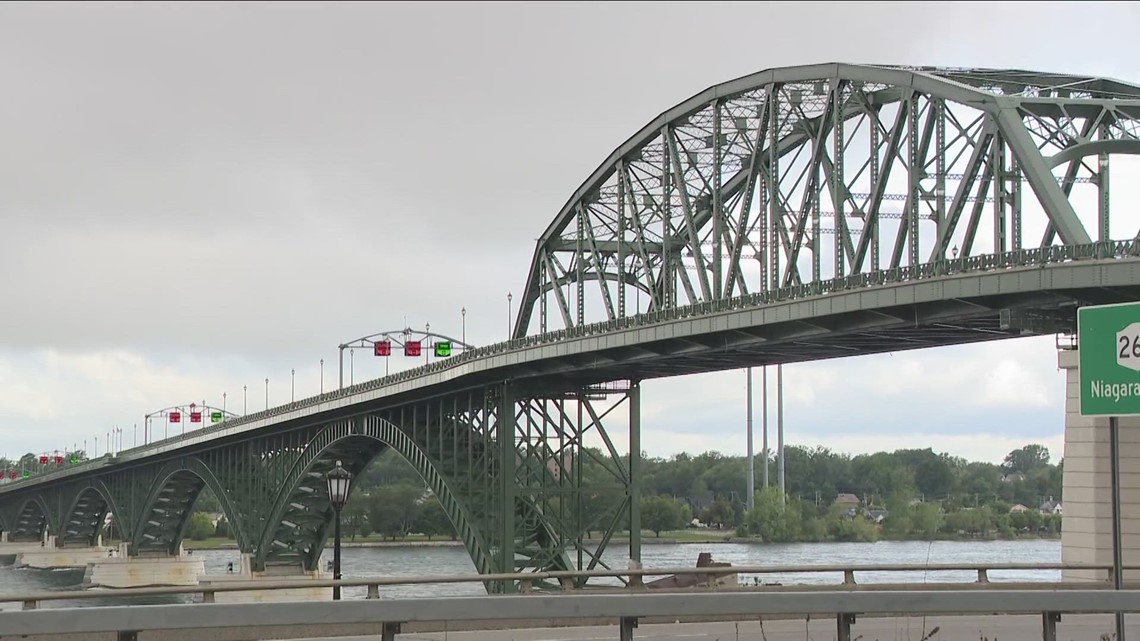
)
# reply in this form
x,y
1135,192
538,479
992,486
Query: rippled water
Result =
x,y
422,561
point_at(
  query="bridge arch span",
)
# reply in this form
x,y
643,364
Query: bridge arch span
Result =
x,y
33,521
83,520
166,511
299,524
795,175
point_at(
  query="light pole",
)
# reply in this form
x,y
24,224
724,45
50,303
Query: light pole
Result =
x,y
463,324
292,385
266,393
339,480
245,400
351,367
750,496
509,310
427,330
322,376
223,405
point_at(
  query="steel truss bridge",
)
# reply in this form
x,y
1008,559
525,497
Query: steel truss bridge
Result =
x,y
794,214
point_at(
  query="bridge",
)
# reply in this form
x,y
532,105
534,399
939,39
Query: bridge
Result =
x,y
794,214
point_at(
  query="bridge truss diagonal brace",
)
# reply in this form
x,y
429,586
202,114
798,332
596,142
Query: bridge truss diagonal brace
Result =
x,y
1053,198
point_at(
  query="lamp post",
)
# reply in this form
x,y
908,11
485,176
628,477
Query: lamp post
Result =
x,y
267,393
244,400
322,376
463,324
351,367
509,314
339,480
292,385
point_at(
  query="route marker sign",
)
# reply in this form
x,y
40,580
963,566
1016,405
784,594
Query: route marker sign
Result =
x,y
1108,337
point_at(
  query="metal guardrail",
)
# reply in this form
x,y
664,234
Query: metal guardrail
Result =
x,y
534,610
1036,257
635,580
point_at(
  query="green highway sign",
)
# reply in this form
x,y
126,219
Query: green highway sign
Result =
x,y
1108,337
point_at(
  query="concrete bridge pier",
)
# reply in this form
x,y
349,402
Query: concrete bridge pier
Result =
x,y
120,570
9,550
243,573
51,556
1086,525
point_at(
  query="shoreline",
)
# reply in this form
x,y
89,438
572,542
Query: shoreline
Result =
x,y
189,545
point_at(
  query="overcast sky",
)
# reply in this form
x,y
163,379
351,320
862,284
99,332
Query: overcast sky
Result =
x,y
194,197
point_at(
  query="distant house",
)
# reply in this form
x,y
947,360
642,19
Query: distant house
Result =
x,y
1051,507
1013,478
1018,509
847,500
876,515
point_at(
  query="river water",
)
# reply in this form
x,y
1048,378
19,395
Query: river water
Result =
x,y
420,561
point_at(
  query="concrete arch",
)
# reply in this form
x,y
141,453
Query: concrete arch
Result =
x,y
180,483
367,437
33,521
83,519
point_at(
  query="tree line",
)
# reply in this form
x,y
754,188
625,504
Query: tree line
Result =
x,y
901,494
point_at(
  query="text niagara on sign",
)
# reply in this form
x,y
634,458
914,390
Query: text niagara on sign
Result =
x,y
1108,337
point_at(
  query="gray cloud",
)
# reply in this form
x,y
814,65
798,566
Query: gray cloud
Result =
x,y
258,182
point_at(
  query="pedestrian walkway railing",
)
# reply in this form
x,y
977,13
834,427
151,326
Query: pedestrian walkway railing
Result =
x,y
632,580
627,610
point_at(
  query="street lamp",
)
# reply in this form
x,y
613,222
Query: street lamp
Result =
x,y
267,394
292,385
244,400
509,310
463,324
339,480
322,376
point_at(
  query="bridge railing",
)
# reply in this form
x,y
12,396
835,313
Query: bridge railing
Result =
x,y
633,579
1039,256
391,617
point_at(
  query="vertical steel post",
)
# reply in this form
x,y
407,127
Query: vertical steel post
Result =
x,y
505,427
751,489
780,426
764,421
336,552
635,472
1117,551
341,357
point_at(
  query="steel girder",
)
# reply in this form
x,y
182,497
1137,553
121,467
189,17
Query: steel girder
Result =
x,y
508,464
805,174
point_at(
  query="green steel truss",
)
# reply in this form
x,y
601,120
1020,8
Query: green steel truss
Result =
x,y
512,467
805,174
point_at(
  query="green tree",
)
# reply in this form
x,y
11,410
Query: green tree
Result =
x,y
354,514
431,519
392,509
899,522
720,513
200,527
773,519
926,520
660,513
1026,459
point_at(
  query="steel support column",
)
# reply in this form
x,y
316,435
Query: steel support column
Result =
x,y
635,473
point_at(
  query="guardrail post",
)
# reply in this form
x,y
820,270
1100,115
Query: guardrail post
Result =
x,y
849,577
130,635
389,632
843,622
627,626
982,576
1049,625
31,605
373,591
207,596
526,586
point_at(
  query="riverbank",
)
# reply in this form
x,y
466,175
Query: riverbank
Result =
x,y
667,538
